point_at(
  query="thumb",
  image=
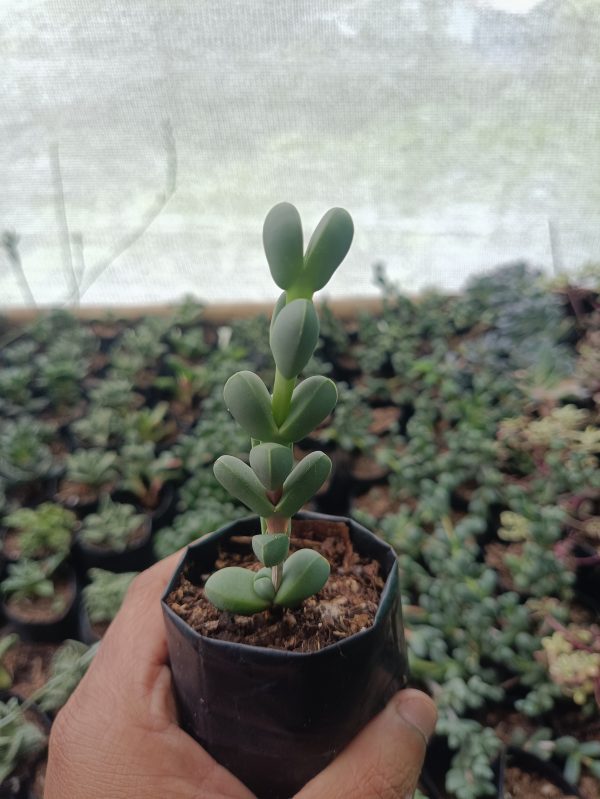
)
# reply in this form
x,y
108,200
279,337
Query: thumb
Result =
x,y
384,761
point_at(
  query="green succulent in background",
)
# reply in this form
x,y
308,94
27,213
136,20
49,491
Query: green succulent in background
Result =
x,y
112,526
149,425
104,594
100,428
69,665
575,755
16,393
144,473
349,427
187,343
32,580
145,340
61,379
214,432
20,352
21,739
24,451
190,525
272,485
96,468
114,392
7,642
43,531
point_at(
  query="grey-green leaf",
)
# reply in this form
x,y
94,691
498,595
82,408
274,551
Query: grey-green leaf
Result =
x,y
304,574
263,585
271,463
328,247
294,336
312,402
283,243
241,482
271,548
304,481
249,402
281,301
232,589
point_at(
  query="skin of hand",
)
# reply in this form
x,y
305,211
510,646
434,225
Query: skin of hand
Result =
x,y
117,737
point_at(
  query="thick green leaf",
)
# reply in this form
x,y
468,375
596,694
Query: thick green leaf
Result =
x,y
281,301
249,402
294,336
232,589
304,481
328,247
271,463
263,585
283,243
271,548
312,402
304,574
241,482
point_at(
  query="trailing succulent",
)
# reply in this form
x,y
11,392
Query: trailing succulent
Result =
x,y
272,485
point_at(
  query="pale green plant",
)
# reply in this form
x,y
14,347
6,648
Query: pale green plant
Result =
x,y
272,485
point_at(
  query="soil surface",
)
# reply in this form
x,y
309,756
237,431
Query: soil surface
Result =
x,y
520,785
366,468
378,502
44,609
346,605
385,420
72,494
29,664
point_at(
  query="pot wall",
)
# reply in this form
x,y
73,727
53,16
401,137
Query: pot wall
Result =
x,y
275,718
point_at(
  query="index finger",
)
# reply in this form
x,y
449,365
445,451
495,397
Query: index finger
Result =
x,y
136,642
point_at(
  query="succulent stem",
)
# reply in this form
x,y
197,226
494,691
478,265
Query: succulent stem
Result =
x,y
282,397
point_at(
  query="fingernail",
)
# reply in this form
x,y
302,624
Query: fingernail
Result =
x,y
418,710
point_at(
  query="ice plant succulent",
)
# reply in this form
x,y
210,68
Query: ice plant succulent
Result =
x,y
272,485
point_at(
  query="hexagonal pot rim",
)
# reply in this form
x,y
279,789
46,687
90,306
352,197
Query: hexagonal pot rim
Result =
x,y
390,588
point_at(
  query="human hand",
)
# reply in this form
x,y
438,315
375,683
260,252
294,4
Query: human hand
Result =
x,y
118,737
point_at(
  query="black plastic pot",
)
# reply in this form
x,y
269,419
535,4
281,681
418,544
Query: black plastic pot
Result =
x,y
137,558
54,631
277,718
587,575
86,631
531,764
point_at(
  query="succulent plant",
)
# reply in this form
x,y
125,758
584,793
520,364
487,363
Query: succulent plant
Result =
x,y
21,739
144,473
104,594
24,451
100,428
112,526
69,665
272,485
93,467
43,531
572,655
32,580
7,642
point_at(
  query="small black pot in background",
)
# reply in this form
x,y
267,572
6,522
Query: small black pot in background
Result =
x,y
19,785
276,718
531,764
136,558
587,574
54,631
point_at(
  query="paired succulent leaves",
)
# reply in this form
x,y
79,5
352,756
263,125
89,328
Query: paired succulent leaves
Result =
x,y
272,485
